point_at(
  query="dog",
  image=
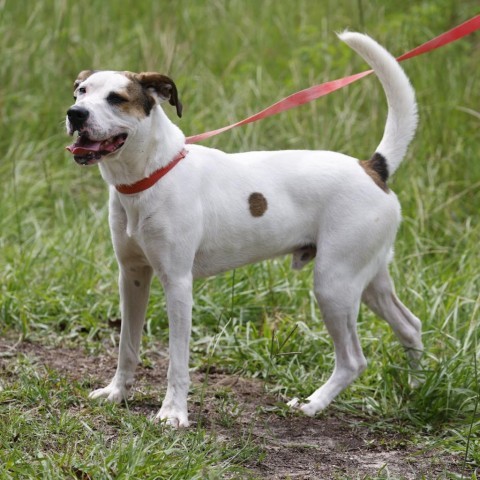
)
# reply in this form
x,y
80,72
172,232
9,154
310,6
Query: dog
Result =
x,y
184,212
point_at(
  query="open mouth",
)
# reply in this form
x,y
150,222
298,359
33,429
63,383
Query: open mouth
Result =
x,y
89,152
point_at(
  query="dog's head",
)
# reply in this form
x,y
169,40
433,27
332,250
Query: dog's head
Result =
x,y
110,106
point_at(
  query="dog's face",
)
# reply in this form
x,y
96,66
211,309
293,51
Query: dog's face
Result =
x,y
109,108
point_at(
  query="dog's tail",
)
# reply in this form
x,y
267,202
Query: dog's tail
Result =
x,y
402,108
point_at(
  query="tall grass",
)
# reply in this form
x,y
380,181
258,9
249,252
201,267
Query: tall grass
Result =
x,y
230,59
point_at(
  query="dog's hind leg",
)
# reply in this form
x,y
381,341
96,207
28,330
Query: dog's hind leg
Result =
x,y
338,296
380,297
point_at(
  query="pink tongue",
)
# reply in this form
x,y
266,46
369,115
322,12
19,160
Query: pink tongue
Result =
x,y
84,146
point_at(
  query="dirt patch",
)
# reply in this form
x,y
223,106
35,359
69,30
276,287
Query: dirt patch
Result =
x,y
293,446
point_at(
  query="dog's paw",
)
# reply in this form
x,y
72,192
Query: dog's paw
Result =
x,y
416,379
296,404
309,407
173,416
112,393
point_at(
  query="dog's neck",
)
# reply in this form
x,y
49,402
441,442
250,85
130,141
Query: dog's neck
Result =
x,y
154,144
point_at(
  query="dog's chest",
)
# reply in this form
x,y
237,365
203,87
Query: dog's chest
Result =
x,y
130,217
133,221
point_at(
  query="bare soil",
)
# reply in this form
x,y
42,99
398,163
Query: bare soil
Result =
x,y
293,446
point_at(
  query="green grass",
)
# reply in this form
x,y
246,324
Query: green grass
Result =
x,y
229,60
49,441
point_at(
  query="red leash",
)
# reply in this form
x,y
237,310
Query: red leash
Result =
x,y
317,91
304,96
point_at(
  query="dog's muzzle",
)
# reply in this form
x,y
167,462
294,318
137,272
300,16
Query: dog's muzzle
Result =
x,y
77,117
89,150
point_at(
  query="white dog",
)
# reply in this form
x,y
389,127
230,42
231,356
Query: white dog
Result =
x,y
186,212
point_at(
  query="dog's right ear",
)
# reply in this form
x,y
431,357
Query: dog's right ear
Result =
x,y
83,75
161,85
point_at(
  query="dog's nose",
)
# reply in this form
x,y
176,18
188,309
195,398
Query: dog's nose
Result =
x,y
77,116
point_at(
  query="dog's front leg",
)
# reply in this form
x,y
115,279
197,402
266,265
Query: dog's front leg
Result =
x,y
134,287
178,293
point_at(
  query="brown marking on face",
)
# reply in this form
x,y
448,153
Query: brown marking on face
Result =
x,y
83,75
162,85
377,169
134,100
258,204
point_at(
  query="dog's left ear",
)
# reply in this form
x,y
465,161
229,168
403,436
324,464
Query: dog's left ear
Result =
x,y
163,86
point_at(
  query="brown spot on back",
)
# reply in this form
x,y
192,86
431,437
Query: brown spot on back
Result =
x,y
377,169
258,204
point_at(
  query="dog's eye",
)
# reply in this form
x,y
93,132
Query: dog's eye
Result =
x,y
116,99
82,90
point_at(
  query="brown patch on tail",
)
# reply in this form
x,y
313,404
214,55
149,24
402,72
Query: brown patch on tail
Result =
x,y
377,169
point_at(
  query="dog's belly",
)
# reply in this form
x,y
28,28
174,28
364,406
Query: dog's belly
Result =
x,y
216,257
214,262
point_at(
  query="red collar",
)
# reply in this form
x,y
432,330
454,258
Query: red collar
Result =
x,y
147,182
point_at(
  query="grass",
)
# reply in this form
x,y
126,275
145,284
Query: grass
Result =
x,y
229,60
108,443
